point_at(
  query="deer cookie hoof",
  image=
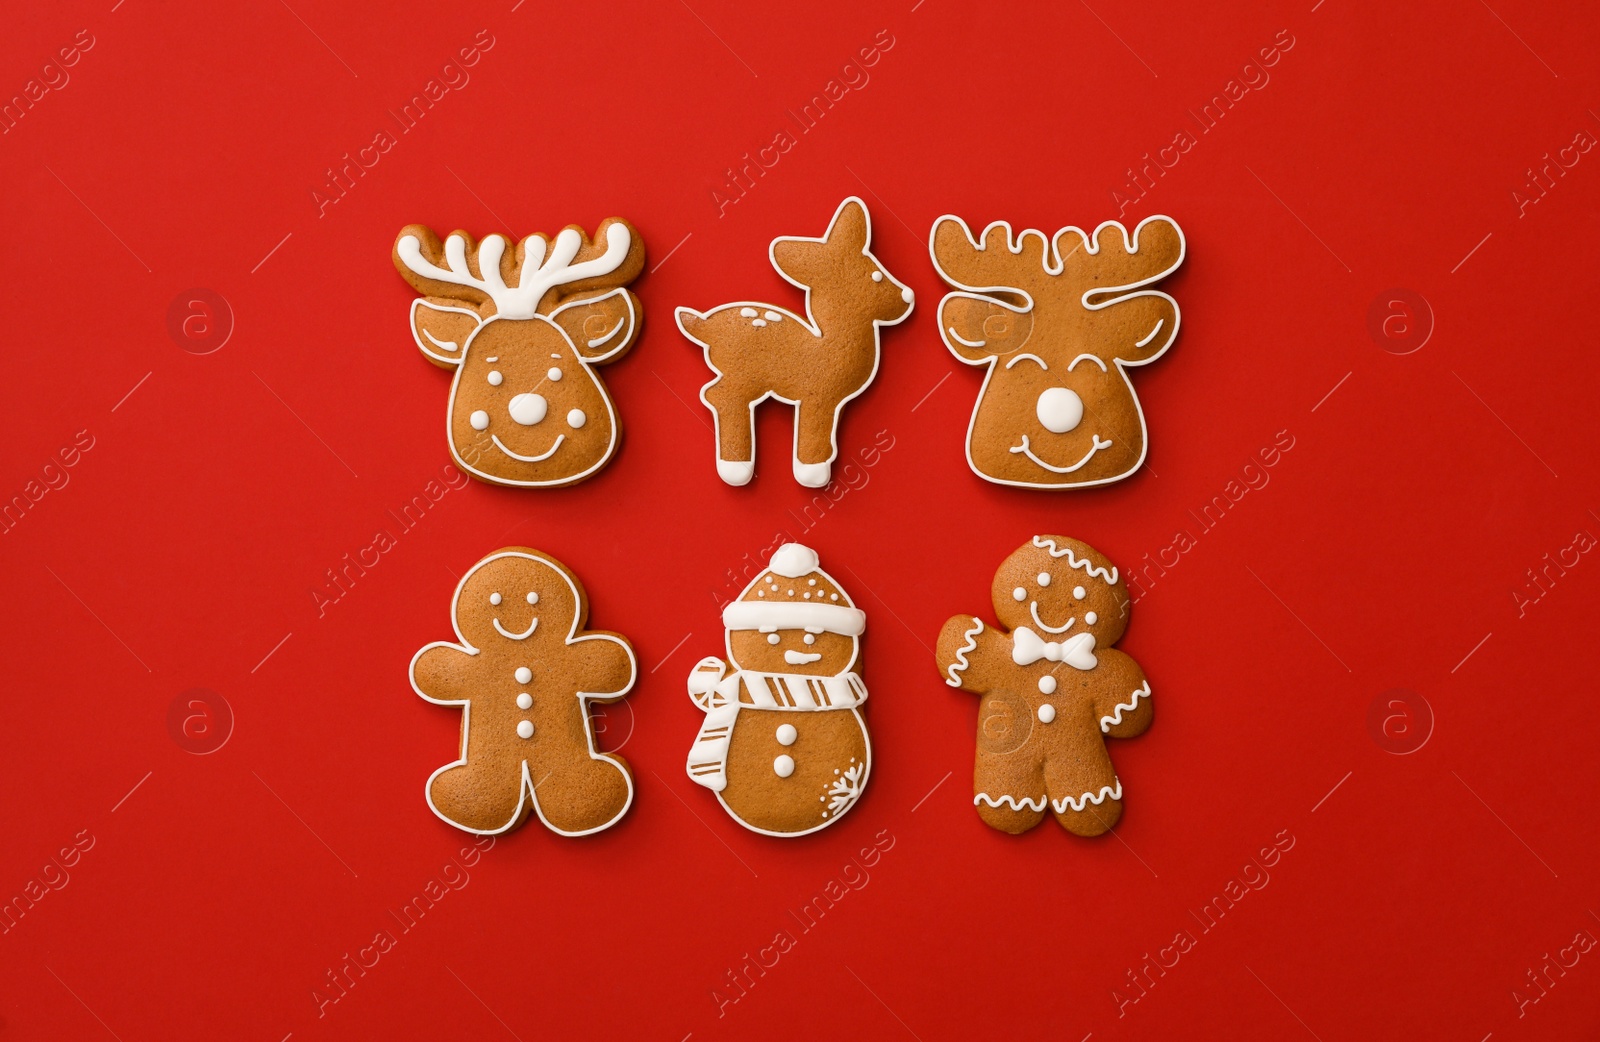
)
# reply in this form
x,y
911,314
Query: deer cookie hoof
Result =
x,y
812,475
736,472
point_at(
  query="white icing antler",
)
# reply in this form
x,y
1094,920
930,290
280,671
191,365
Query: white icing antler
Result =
x,y
539,275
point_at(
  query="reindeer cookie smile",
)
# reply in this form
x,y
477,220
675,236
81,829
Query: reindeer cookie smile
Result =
x,y
1094,447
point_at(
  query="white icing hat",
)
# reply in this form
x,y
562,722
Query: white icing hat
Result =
x,y
793,594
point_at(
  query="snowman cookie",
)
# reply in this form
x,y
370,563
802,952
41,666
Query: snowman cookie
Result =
x,y
783,744
523,671
1053,688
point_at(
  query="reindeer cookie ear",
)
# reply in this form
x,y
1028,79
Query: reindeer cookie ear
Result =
x,y
601,328
441,328
976,328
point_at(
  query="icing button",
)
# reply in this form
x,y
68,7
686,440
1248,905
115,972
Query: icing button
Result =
x,y
1047,713
525,729
787,734
783,766
524,674
524,701
1047,685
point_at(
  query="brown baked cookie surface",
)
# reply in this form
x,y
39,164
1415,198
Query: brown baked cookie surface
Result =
x,y
783,744
1057,322
524,670
1053,688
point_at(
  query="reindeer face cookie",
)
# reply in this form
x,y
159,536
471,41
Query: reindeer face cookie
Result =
x,y
1057,322
816,362
524,671
1053,689
523,329
783,744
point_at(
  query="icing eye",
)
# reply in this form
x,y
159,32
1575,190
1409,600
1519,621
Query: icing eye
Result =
x,y
494,598
877,276
554,373
1079,592
1091,618
479,420
811,638
533,598
772,638
1044,578
576,419
495,379
1019,594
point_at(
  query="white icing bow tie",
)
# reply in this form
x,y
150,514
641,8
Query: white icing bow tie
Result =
x,y
1077,651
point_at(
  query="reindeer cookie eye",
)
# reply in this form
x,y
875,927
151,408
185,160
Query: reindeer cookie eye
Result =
x,y
877,276
494,598
533,597
554,374
576,419
772,638
495,379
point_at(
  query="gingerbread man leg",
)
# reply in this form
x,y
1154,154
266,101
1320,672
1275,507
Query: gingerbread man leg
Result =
x,y
577,793
1086,797
1010,790
480,795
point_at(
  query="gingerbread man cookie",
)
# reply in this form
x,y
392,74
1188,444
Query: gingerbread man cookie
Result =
x,y
1056,322
783,744
524,671
817,362
523,328
1053,688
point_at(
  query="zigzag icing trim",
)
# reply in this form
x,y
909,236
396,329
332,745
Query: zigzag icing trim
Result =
x,y
1106,792
1047,544
1132,704
961,662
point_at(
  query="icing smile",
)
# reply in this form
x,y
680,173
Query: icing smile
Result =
x,y
800,658
524,635
1033,609
1096,445
540,458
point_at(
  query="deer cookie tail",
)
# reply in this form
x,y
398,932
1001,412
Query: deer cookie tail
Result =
x,y
690,321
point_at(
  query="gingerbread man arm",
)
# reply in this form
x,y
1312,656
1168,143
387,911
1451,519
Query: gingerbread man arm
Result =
x,y
603,664
439,672
1122,696
969,652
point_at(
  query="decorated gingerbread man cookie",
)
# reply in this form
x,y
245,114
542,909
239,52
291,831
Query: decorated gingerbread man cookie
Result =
x,y
783,744
1057,322
522,326
817,362
524,670
1053,688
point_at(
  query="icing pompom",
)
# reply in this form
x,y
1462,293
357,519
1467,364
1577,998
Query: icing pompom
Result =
x,y
793,560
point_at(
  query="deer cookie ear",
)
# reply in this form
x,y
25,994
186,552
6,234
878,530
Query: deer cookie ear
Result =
x,y
601,328
441,328
850,228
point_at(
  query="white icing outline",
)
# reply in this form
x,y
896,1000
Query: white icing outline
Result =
x,y
1095,445
1152,334
1096,359
450,360
529,790
528,459
1049,546
1132,705
810,325
1027,355
961,664
963,341
1120,294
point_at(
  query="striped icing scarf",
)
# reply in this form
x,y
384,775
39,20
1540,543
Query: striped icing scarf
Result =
x,y
720,697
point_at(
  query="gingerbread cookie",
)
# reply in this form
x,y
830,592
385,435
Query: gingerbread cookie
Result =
x,y
783,744
524,671
816,362
1053,688
1056,323
523,329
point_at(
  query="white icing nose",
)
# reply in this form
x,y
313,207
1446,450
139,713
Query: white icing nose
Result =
x,y
528,409
906,294
1059,410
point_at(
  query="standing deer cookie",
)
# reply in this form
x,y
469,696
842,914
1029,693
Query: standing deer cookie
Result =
x,y
522,329
1053,688
523,671
816,363
1057,322
783,744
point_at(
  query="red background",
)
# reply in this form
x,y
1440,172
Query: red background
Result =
x,y
1384,553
